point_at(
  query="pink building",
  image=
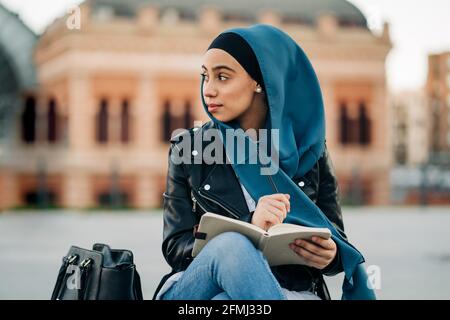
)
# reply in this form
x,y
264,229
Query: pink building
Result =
x,y
95,129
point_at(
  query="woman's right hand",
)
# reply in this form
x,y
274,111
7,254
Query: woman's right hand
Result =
x,y
271,210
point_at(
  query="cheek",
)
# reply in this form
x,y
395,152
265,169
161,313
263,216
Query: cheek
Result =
x,y
237,99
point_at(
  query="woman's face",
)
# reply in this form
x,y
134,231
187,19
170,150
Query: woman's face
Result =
x,y
228,89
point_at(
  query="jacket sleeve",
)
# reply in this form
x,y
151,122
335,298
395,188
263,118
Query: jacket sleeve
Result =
x,y
178,218
328,202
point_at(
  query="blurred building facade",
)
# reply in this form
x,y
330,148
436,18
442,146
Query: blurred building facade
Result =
x,y
438,95
95,130
421,174
411,121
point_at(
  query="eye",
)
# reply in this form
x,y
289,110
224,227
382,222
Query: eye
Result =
x,y
204,75
223,78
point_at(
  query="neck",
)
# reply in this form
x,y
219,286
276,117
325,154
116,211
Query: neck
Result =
x,y
254,118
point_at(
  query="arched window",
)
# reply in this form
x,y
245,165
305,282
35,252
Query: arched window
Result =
x,y
166,132
364,125
52,122
175,118
125,122
29,120
344,124
102,122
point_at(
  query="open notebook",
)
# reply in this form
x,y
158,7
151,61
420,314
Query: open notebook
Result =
x,y
274,243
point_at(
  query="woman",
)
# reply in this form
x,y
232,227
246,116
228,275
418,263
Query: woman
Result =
x,y
255,78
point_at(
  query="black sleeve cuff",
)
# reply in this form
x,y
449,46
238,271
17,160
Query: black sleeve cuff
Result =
x,y
334,267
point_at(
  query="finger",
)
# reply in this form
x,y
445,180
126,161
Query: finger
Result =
x,y
277,203
277,212
274,211
279,206
325,243
282,197
315,249
309,256
288,196
272,217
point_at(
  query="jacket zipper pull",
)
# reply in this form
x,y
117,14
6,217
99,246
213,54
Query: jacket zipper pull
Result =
x,y
194,206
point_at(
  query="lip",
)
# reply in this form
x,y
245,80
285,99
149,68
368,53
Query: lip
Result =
x,y
213,107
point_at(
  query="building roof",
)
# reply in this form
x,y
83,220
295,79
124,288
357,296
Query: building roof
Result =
x,y
301,11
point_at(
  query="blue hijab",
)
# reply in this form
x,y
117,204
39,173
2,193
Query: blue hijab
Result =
x,y
295,108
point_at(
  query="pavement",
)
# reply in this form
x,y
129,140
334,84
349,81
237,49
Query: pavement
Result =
x,y
407,249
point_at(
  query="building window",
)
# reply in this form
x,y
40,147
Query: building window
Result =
x,y
52,122
364,125
172,121
354,131
125,122
29,121
166,121
344,123
113,199
102,122
40,198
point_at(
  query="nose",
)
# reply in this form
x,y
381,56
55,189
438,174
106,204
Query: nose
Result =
x,y
209,90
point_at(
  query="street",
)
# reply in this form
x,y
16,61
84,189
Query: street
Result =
x,y
408,246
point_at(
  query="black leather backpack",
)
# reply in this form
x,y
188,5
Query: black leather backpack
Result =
x,y
98,274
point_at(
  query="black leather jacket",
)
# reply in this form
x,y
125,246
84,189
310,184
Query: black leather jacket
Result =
x,y
185,200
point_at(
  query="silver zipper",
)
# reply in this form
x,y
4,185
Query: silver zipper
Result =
x,y
195,202
219,204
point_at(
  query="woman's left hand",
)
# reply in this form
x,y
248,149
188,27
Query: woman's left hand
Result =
x,y
318,253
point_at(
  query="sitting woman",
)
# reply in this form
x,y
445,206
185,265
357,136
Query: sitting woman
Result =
x,y
255,78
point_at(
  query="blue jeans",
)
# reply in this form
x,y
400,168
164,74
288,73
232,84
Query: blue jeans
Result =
x,y
229,267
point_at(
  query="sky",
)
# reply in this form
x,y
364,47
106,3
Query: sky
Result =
x,y
417,28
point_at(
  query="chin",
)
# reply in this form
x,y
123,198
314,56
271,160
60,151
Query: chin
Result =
x,y
220,117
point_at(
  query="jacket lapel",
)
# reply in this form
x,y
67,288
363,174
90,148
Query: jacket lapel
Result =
x,y
223,185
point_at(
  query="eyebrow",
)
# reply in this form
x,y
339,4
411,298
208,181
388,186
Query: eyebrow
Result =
x,y
220,67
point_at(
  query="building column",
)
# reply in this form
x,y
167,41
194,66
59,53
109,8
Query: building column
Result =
x,y
77,191
147,115
114,124
381,115
81,111
9,191
148,191
331,113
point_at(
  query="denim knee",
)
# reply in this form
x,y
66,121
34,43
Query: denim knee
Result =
x,y
230,245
